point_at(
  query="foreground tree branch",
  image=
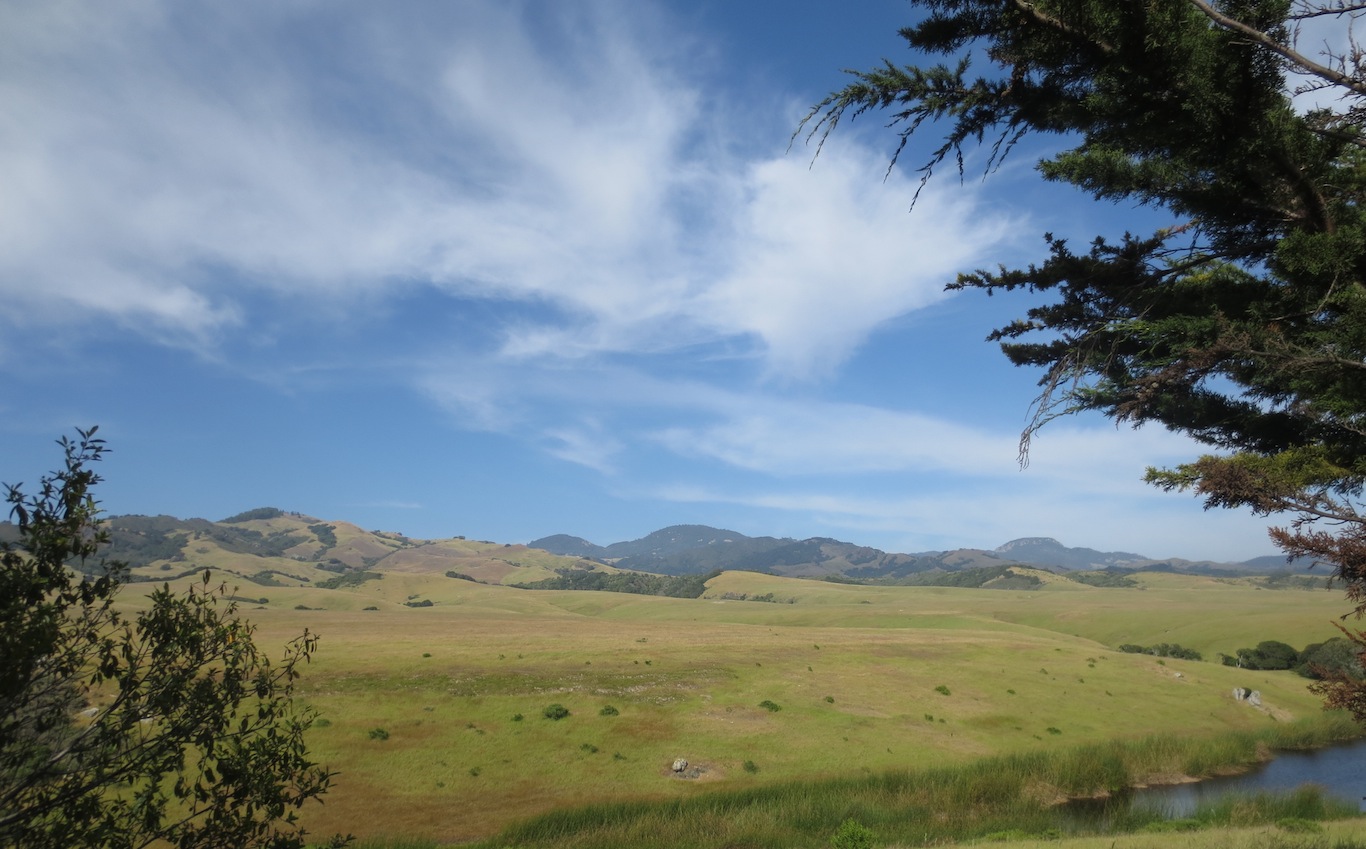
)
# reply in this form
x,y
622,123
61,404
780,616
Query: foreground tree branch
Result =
x,y
171,728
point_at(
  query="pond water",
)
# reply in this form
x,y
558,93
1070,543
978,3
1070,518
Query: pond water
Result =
x,y
1339,770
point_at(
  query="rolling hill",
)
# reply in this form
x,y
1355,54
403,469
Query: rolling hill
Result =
x,y
694,549
273,548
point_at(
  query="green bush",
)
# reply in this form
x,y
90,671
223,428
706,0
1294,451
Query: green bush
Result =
x,y
556,711
942,690
852,834
379,734
751,767
608,710
770,705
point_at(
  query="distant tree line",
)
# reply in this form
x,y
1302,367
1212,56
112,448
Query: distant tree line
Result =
x,y
325,533
348,579
999,577
260,513
639,583
1337,657
1163,650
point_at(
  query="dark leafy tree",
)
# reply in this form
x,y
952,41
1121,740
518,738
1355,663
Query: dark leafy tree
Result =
x,y
1242,321
166,727
1268,654
1335,658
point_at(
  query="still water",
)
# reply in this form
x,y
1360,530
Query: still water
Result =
x,y
1339,770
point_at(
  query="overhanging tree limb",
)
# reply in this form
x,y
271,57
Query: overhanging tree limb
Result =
x,y
1294,57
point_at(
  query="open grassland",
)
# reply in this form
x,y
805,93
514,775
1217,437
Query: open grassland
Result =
x,y
434,715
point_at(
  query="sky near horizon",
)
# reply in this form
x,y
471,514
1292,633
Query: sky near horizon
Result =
x,y
510,269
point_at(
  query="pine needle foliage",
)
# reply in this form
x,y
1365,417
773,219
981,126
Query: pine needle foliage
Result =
x,y
1242,321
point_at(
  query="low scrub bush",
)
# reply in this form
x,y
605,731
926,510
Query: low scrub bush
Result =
x,y
556,711
852,834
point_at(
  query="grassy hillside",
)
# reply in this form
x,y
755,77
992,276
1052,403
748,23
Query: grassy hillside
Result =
x,y
270,548
422,704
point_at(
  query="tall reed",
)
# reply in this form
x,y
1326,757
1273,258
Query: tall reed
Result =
x,y
1012,795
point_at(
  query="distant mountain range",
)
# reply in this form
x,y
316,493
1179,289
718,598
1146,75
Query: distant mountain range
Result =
x,y
692,549
272,547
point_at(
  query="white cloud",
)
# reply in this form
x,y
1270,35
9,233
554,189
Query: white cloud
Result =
x,y
824,254
164,160
780,437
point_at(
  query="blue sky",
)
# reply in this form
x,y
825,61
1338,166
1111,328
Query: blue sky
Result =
x,y
509,269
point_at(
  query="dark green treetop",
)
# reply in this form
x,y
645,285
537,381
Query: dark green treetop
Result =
x,y
1242,321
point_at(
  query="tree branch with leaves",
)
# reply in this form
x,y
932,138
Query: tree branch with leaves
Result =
x,y
170,727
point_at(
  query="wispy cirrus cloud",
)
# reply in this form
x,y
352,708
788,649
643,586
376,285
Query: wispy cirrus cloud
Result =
x,y
569,160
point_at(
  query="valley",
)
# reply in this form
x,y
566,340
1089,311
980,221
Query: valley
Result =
x,y
438,675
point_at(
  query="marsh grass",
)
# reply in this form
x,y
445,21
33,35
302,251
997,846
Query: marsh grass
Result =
x,y
1015,796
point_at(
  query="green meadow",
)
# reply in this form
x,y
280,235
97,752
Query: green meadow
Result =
x,y
792,714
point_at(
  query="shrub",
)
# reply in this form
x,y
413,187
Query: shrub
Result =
x,y
556,711
852,834
348,579
770,705
608,710
379,734
751,767
516,717
258,513
942,690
